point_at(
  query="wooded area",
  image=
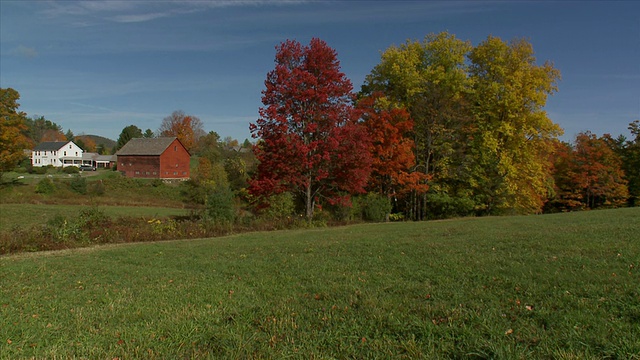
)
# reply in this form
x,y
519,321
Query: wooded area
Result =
x,y
440,129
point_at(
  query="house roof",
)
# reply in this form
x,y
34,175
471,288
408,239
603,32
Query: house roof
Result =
x,y
50,145
97,157
145,146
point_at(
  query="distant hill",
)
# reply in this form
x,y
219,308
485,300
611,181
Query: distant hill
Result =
x,y
106,142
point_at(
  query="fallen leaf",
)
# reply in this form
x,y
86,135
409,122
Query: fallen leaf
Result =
x,y
508,332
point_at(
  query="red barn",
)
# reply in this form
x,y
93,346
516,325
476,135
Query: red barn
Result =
x,y
164,158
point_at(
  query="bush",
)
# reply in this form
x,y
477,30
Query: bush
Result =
x,y
41,170
97,188
443,206
220,205
375,207
63,230
71,170
45,186
79,185
92,217
281,206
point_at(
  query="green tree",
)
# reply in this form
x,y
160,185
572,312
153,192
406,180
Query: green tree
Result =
x,y
37,126
149,134
209,146
13,142
629,152
128,133
631,164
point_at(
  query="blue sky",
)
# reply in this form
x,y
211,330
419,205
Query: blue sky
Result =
x,y
97,66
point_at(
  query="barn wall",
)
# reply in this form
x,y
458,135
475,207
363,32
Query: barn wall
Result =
x,y
139,166
174,162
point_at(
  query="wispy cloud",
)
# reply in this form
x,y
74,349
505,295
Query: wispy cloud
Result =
x,y
25,51
142,11
139,17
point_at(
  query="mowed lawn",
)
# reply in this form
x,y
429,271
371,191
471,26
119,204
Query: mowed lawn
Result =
x,y
563,286
12,215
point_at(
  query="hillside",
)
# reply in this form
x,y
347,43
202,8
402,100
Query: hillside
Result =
x,y
106,142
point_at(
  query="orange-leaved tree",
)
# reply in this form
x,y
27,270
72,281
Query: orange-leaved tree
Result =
x,y
588,175
187,128
13,142
392,148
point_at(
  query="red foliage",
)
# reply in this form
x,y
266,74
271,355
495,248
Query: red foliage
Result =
x,y
392,151
310,140
589,174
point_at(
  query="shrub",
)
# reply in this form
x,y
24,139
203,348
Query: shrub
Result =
x,y
220,205
281,206
45,186
79,185
97,188
71,170
92,217
443,206
375,207
39,170
63,230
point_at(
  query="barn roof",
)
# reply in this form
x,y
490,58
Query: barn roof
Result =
x,y
50,145
145,146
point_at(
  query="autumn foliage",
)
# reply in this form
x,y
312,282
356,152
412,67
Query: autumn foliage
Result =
x,y
310,141
12,129
187,128
392,150
588,175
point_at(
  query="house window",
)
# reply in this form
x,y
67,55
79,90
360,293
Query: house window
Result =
x,y
137,172
155,173
176,165
175,148
65,153
175,173
69,146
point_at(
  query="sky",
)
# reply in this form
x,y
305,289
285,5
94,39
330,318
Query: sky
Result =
x,y
95,67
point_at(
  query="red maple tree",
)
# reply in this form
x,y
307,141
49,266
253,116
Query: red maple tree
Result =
x,y
392,150
311,143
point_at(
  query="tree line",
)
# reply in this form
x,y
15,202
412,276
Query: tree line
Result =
x,y
439,129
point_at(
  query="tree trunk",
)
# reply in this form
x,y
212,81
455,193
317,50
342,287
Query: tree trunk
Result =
x,y
309,202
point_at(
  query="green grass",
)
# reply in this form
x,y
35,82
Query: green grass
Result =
x,y
24,215
563,286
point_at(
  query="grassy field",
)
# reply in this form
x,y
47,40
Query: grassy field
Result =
x,y
34,214
563,286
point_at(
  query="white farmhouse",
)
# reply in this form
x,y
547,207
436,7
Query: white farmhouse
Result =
x,y
57,154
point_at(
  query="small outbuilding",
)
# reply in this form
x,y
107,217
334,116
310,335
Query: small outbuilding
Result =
x,y
163,158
